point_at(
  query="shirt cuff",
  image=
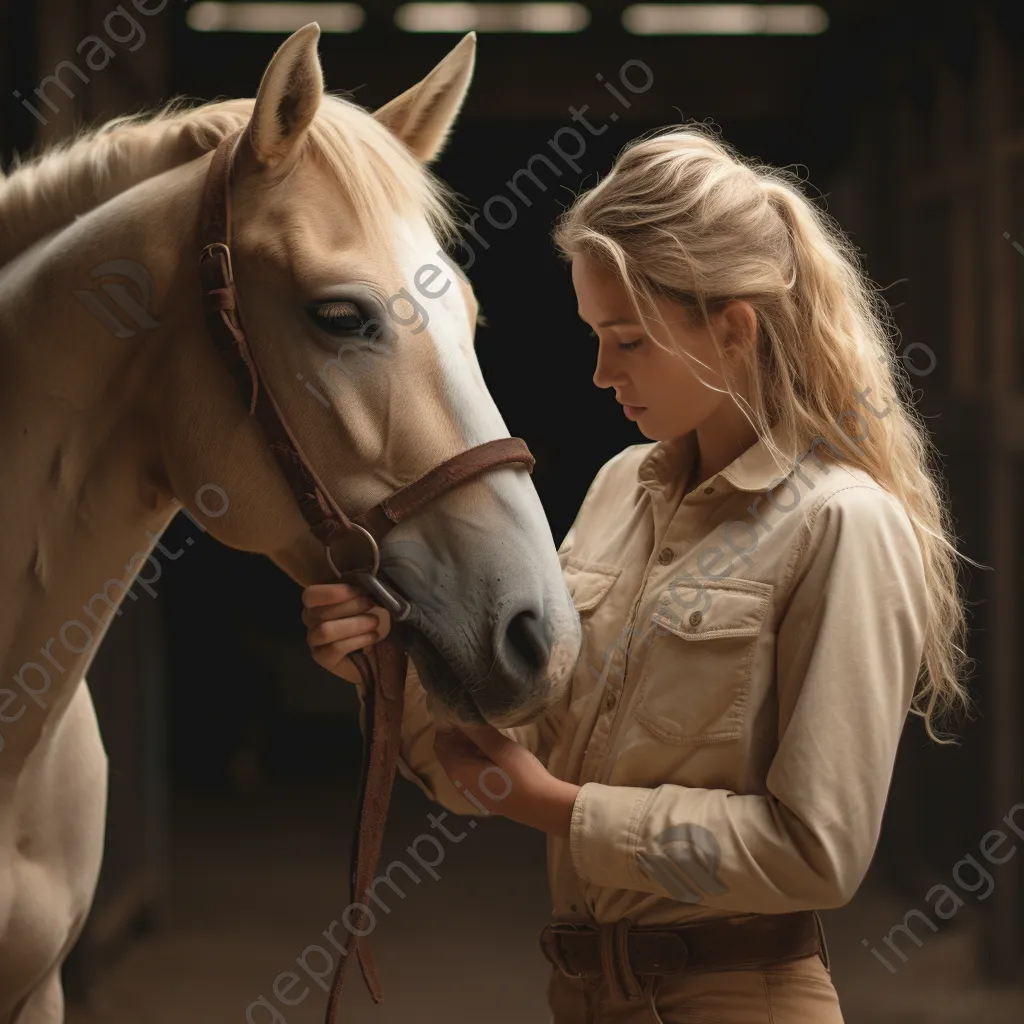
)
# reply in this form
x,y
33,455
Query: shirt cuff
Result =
x,y
604,833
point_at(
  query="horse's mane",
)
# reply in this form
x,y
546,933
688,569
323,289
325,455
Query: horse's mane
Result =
x,y
49,190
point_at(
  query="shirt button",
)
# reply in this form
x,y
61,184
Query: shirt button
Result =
x,y
665,555
709,490
609,701
695,618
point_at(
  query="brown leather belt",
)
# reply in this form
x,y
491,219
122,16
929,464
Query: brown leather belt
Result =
x,y
586,951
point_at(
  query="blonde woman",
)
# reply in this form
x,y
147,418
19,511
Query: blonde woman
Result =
x,y
766,589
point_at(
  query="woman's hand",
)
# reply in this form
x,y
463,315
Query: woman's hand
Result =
x,y
341,618
497,772
505,777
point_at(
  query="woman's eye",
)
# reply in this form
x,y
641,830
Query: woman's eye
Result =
x,y
626,346
338,317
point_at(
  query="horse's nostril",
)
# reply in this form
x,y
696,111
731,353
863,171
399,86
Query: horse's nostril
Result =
x,y
526,642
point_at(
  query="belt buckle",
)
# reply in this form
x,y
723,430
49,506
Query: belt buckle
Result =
x,y
552,948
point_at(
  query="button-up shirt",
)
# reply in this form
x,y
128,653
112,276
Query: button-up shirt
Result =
x,y
749,654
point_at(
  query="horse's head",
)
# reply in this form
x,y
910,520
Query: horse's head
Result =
x,y
364,335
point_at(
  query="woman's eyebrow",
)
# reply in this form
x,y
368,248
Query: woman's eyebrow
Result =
x,y
610,323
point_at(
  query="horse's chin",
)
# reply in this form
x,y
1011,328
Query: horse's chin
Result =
x,y
448,700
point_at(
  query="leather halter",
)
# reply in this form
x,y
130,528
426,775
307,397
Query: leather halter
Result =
x,y
383,665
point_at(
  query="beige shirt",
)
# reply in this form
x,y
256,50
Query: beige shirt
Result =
x,y
749,655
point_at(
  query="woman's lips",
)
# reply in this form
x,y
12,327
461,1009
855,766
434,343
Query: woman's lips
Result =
x,y
633,411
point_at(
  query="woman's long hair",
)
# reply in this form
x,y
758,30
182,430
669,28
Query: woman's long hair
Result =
x,y
683,216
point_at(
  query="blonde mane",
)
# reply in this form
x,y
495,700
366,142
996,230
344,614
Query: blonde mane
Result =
x,y
48,191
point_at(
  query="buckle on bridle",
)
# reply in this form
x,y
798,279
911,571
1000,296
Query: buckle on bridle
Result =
x,y
207,253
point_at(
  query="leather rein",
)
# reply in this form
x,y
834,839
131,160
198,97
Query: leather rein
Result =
x,y
383,665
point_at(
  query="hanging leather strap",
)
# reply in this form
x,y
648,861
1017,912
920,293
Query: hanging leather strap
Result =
x,y
383,699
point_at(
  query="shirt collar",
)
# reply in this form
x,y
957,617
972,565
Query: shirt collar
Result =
x,y
667,462
754,470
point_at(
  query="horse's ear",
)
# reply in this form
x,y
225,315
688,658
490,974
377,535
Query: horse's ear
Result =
x,y
423,116
288,99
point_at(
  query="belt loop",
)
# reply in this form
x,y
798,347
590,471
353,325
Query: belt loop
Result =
x,y
630,982
615,964
606,938
822,945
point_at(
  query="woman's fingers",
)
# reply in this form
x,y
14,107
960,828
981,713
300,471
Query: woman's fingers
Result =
x,y
321,613
454,741
335,658
329,593
339,619
493,743
506,753
458,755
344,630
339,601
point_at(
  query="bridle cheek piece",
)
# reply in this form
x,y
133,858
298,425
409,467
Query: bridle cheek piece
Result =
x,y
354,542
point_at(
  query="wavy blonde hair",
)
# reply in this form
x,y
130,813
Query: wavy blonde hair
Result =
x,y
683,216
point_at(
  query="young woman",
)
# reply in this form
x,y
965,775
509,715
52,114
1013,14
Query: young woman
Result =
x,y
765,591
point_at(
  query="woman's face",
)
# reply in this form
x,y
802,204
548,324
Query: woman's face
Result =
x,y
659,389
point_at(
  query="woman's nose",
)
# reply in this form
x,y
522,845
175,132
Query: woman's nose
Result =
x,y
606,373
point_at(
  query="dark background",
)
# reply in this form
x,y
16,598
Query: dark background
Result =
x,y
231,752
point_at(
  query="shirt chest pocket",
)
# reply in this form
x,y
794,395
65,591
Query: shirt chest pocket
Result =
x,y
588,583
695,679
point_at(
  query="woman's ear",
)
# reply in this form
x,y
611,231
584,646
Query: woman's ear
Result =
x,y
740,328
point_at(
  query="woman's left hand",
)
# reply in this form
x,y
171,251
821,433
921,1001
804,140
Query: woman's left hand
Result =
x,y
484,762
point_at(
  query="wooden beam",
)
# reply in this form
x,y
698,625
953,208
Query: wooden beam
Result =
x,y
1004,940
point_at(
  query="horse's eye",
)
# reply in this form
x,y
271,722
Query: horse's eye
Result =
x,y
340,318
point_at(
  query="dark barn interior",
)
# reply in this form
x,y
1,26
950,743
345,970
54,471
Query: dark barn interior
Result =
x,y
234,759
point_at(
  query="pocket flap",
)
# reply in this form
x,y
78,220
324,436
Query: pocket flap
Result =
x,y
706,612
588,582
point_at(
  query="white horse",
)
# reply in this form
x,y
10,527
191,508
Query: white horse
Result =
x,y
109,429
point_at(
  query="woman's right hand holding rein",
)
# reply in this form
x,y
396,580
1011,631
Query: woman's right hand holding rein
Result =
x,y
341,618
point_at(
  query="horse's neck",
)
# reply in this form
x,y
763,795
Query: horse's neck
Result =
x,y
82,479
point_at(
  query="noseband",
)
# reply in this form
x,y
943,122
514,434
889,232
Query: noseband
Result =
x,y
352,541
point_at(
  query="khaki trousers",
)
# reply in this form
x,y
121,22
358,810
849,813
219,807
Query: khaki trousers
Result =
x,y
793,992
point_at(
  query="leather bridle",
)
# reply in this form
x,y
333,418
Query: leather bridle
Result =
x,y
383,665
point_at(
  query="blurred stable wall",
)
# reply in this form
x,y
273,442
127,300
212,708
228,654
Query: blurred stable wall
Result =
x,y
908,117
939,181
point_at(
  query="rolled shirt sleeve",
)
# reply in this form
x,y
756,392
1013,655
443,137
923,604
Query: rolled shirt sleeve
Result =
x,y
849,651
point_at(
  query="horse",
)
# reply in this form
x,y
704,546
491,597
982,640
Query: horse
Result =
x,y
116,413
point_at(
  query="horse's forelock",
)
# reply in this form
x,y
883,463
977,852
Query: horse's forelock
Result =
x,y
379,174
